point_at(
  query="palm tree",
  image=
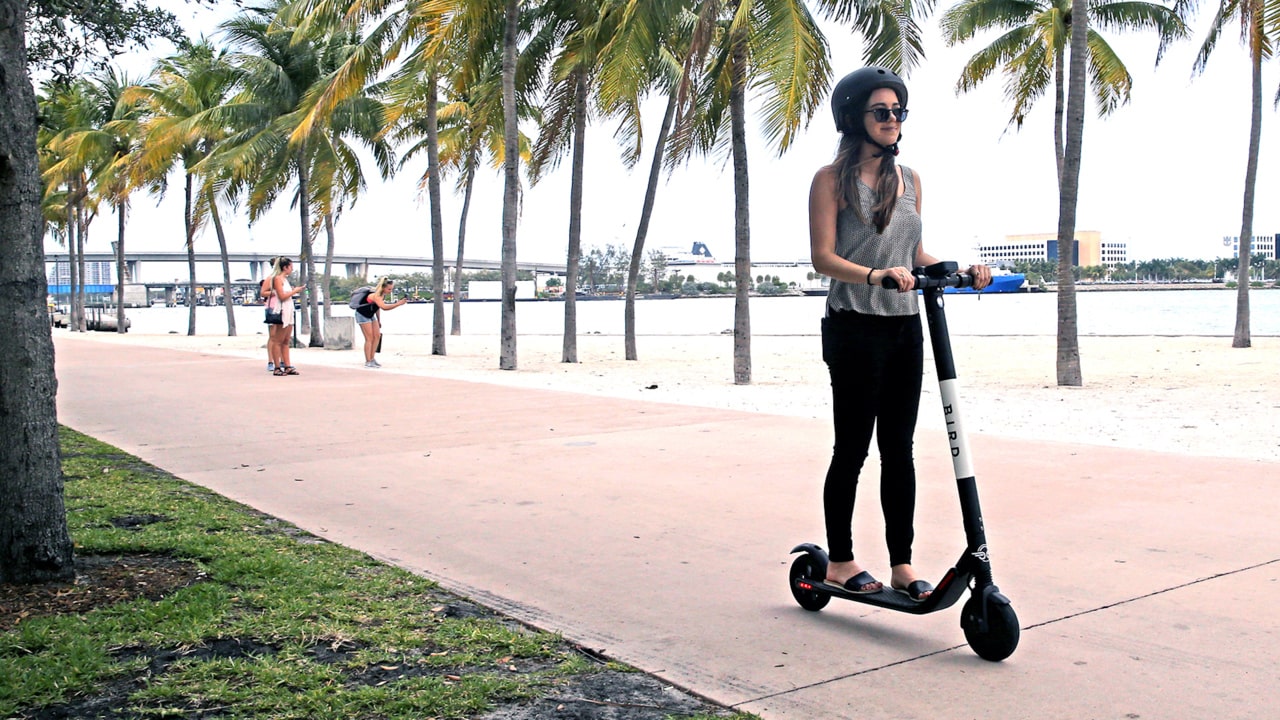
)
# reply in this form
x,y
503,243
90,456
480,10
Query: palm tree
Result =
x,y
282,142
646,52
1260,30
69,109
570,29
774,46
180,126
470,135
106,152
1033,50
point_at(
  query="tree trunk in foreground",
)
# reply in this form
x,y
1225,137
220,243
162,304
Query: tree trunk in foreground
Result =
x,y
456,327
1242,338
742,219
569,348
191,258
35,545
437,217
1068,362
121,210
227,300
328,264
511,188
642,231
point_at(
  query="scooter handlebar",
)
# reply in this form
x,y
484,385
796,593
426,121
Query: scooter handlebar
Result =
x,y
941,275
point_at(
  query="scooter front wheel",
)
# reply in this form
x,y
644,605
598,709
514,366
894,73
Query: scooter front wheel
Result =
x,y
806,570
998,637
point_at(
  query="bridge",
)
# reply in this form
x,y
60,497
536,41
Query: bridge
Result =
x,y
355,265
99,285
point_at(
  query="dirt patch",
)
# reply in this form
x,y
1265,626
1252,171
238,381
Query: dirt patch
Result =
x,y
607,695
136,522
101,580
159,659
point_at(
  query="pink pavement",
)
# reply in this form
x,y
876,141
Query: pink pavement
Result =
x,y
659,534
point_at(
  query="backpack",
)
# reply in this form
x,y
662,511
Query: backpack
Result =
x,y
359,297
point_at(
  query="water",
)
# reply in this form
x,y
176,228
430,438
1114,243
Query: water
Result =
x,y
1134,313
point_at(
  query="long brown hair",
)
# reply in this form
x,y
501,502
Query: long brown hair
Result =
x,y
848,163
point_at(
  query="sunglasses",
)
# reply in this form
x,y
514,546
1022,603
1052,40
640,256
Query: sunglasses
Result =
x,y
882,114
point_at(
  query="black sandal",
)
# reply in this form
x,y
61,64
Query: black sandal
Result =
x,y
291,370
858,584
278,372
916,590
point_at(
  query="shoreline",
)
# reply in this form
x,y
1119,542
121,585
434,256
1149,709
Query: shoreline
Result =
x,y
1193,395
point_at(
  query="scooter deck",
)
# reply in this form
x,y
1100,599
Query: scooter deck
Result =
x,y
949,590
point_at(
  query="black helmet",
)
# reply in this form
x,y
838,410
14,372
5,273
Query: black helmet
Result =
x,y
852,91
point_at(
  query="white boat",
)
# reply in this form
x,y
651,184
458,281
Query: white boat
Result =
x,y
699,254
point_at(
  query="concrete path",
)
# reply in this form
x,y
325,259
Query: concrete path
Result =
x,y
1145,584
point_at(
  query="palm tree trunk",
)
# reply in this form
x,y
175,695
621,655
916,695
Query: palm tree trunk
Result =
x,y
1059,81
437,217
227,300
328,264
569,352
1241,337
311,311
121,209
35,545
73,269
511,187
642,230
742,220
1068,361
462,241
191,258
82,231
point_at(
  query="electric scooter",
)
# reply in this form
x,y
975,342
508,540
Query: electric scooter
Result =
x,y
990,625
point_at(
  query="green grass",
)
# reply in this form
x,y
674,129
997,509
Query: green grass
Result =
x,y
281,625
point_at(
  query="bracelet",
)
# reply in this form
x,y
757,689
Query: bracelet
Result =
x,y
869,275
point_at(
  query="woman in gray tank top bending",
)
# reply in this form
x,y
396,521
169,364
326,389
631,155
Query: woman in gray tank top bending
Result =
x,y
864,226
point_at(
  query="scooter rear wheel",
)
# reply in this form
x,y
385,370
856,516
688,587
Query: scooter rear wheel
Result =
x,y
999,638
805,568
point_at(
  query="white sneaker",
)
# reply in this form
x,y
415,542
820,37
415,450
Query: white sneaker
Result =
x,y
376,363
372,364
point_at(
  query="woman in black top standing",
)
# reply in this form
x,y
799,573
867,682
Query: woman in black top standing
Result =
x,y
369,317
864,226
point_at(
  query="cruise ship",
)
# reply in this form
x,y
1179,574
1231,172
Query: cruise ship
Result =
x,y
699,254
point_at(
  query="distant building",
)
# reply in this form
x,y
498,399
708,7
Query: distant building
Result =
x,y
1262,245
99,276
1090,250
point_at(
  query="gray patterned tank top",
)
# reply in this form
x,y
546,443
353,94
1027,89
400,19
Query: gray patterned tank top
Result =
x,y
858,242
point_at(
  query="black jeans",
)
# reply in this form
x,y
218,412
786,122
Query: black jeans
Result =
x,y
876,366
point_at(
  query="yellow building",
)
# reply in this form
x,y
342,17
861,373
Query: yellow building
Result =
x,y
1090,249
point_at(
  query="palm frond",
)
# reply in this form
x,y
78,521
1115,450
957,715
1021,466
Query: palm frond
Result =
x,y
792,71
1108,76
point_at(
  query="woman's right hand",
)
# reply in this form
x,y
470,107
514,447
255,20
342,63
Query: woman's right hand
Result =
x,y
901,275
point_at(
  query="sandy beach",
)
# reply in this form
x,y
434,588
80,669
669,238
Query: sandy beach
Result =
x,y
1192,395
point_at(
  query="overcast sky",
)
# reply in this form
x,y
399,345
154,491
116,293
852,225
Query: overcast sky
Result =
x,y
1164,174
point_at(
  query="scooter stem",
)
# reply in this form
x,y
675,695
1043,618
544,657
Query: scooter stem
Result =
x,y
961,459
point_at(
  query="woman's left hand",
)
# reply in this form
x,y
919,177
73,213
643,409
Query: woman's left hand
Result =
x,y
981,275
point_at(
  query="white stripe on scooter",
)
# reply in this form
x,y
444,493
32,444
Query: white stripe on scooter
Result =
x,y
960,457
